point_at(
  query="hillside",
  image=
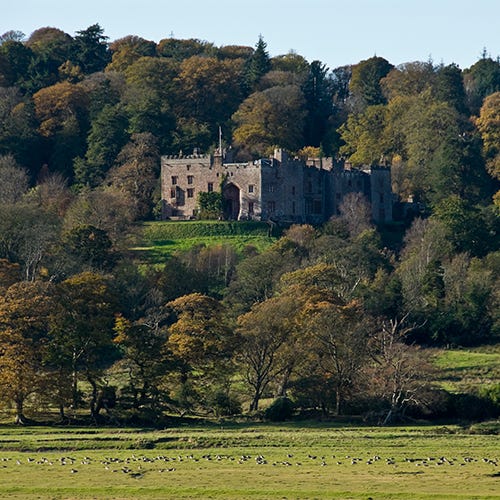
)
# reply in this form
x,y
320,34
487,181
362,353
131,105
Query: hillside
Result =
x,y
162,239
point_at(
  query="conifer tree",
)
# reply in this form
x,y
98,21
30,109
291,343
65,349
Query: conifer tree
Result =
x,y
258,65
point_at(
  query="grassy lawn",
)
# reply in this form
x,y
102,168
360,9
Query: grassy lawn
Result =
x,y
459,370
248,461
161,239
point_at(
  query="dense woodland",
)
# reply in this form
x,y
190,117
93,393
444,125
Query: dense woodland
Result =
x,y
333,319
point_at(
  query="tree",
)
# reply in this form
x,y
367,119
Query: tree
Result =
x,y
208,90
15,61
51,195
450,88
176,49
425,243
90,49
24,309
291,62
136,172
355,210
257,277
409,79
106,138
200,340
488,124
26,235
57,105
125,51
62,113
466,228
10,273
365,83
428,135
199,337
52,49
364,135
89,246
14,35
272,117
150,97
103,89
481,80
319,103
257,65
402,372
341,333
264,331
13,180
19,129
105,209
81,332
141,343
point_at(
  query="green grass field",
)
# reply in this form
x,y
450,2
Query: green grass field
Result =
x,y
159,240
461,370
249,462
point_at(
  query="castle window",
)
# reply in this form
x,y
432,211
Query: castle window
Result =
x,y
293,190
172,192
271,188
174,180
190,179
188,167
210,187
250,208
271,206
190,192
250,188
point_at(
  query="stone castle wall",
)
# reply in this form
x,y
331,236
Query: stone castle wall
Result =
x,y
275,188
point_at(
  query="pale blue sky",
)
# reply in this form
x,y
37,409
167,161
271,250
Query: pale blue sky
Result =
x,y
332,31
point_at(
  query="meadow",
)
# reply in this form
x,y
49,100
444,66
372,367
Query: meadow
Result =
x,y
159,240
249,461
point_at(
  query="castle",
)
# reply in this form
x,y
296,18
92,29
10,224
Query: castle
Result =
x,y
277,188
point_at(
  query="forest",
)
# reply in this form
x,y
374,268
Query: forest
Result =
x,y
328,320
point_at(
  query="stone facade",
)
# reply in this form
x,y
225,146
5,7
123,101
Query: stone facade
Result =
x,y
277,188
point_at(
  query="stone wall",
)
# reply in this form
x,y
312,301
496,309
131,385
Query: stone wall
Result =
x,y
277,188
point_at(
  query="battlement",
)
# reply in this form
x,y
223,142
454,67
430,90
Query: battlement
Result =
x,y
274,188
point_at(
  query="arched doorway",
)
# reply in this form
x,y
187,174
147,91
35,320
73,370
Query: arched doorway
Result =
x,y
231,194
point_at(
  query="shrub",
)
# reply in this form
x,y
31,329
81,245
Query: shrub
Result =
x,y
223,404
281,409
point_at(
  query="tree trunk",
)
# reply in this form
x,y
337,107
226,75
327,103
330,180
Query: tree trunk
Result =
x,y
20,418
338,396
62,415
283,383
254,406
74,380
94,410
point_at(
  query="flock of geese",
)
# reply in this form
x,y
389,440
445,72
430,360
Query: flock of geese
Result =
x,y
136,466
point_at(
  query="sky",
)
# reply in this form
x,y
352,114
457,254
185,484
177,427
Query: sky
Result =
x,y
334,32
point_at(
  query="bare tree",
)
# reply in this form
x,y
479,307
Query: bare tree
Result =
x,y
355,210
402,371
13,180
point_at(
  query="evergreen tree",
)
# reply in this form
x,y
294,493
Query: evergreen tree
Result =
x,y
90,49
258,65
